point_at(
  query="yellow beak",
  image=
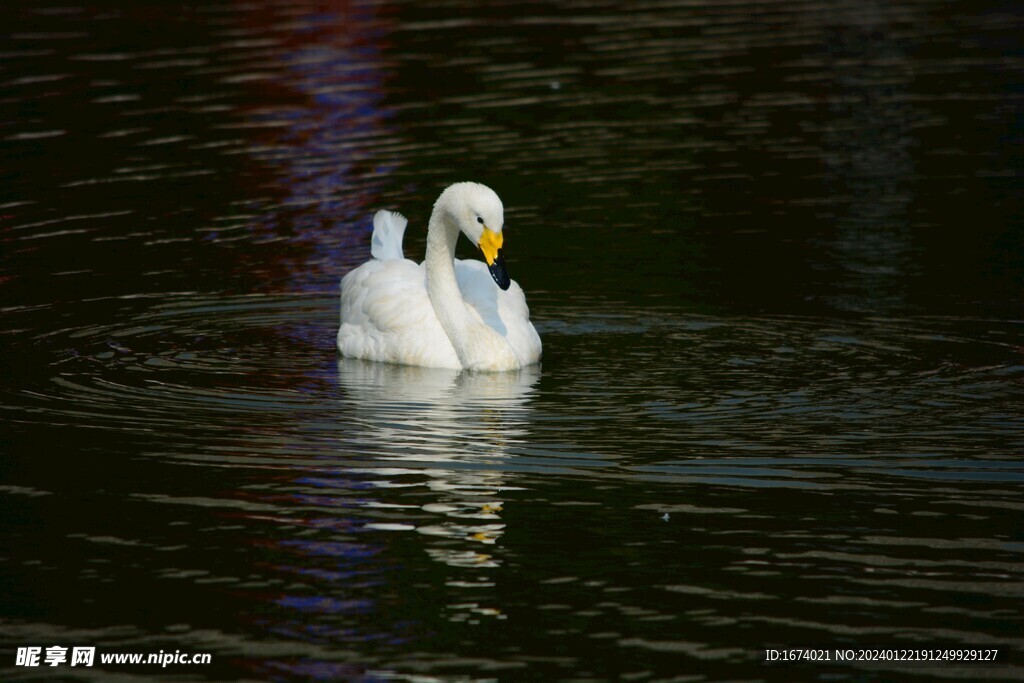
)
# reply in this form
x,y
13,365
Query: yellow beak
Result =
x,y
490,243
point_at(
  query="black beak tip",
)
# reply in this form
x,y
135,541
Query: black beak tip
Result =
x,y
499,273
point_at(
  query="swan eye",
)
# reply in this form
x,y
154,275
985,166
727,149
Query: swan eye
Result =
x,y
479,220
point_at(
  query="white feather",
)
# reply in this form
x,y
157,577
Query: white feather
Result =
x,y
388,231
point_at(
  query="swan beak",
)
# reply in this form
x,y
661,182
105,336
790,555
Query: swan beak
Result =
x,y
490,245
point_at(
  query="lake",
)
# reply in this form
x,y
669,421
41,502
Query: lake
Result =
x,y
775,252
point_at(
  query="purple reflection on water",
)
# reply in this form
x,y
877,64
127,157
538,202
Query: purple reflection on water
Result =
x,y
353,551
320,140
325,605
325,671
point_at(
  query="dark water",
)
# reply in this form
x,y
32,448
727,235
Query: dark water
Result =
x,y
775,253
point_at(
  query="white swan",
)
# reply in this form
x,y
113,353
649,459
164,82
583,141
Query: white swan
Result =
x,y
443,313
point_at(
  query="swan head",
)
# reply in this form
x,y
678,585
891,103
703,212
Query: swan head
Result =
x,y
479,214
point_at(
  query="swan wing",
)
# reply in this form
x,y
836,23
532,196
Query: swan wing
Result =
x,y
505,311
386,316
388,230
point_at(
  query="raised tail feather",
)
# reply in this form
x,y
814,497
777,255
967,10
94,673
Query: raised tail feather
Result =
x,y
388,229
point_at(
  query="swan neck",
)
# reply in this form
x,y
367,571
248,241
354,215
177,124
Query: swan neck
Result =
x,y
477,346
442,287
442,234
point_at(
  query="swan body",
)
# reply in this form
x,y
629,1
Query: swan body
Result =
x,y
444,312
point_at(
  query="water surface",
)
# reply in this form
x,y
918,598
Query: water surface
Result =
x,y
774,251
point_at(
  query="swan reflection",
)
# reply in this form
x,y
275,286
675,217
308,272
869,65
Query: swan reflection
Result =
x,y
447,430
435,414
